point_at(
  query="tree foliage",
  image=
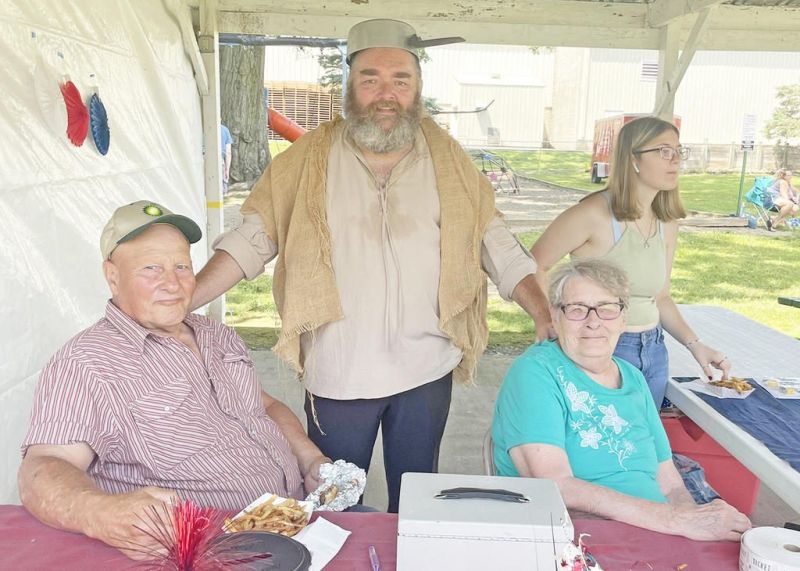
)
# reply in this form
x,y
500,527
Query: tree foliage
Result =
x,y
330,60
784,124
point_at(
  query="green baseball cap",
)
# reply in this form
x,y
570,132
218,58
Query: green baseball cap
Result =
x,y
129,221
382,33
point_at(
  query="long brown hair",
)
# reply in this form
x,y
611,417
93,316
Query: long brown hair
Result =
x,y
622,189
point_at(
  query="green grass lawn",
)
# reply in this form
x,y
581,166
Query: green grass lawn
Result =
x,y
566,168
740,272
713,193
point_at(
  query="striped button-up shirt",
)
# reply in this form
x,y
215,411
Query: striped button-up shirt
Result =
x,y
155,415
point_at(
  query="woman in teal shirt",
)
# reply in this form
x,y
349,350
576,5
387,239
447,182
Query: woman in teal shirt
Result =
x,y
571,412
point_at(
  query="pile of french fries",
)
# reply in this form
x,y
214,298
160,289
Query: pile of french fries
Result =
x,y
287,517
741,386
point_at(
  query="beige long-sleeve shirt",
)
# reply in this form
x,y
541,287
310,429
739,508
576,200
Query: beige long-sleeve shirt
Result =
x,y
385,257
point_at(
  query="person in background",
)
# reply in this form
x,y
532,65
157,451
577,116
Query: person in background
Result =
x,y
153,403
786,197
384,232
634,223
225,144
572,412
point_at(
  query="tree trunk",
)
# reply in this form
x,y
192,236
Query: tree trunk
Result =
x,y
242,109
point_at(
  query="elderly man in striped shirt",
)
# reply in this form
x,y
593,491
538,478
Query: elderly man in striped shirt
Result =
x,y
152,402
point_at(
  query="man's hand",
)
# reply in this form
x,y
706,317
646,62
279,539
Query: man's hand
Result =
x,y
136,523
547,331
311,478
713,521
529,296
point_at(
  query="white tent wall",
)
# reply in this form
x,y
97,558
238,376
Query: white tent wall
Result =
x,y
55,197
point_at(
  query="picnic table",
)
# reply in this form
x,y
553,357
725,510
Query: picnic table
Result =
x,y
790,301
755,351
27,544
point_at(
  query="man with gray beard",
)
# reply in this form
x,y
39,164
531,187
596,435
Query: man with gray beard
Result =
x,y
384,233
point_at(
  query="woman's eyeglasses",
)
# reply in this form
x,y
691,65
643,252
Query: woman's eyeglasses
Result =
x,y
580,311
668,153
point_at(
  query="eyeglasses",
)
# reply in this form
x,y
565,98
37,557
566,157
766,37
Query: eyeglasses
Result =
x,y
667,153
580,311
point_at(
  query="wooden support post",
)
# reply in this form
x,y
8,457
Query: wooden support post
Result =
x,y
208,41
667,63
671,69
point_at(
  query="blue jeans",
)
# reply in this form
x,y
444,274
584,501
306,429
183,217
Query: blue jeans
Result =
x,y
646,351
411,423
694,478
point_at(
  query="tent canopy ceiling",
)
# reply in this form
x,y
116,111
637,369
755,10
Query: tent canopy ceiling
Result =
x,y
734,25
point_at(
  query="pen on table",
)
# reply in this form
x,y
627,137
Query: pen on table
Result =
x,y
373,558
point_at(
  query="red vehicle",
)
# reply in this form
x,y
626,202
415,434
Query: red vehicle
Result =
x,y
605,135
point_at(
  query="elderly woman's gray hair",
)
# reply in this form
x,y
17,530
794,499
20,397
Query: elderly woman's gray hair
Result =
x,y
605,274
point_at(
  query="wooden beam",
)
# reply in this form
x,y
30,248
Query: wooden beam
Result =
x,y
208,41
667,64
666,99
776,38
547,12
662,12
183,15
511,33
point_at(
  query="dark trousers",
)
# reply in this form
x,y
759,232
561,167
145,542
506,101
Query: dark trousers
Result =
x,y
412,425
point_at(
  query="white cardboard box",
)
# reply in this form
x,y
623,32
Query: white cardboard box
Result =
x,y
480,534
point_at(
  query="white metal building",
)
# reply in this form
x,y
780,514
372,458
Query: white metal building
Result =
x,y
576,86
718,90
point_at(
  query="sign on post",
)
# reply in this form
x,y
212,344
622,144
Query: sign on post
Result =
x,y
748,144
749,132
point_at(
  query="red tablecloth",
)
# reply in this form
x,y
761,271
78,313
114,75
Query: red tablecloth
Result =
x,y
27,544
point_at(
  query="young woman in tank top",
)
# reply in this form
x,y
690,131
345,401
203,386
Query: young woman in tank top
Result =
x,y
633,223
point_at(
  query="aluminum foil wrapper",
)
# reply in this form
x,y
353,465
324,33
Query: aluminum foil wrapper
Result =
x,y
342,485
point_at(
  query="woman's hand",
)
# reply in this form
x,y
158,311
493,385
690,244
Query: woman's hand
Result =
x,y
710,359
714,521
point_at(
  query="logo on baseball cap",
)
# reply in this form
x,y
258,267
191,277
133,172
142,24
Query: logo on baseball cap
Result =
x,y
129,221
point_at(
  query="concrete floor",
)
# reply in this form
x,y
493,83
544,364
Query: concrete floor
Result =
x,y
470,416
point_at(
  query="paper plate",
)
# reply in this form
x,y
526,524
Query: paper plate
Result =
x,y
700,386
287,554
782,387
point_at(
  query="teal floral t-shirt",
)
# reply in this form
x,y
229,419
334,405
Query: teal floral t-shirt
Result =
x,y
612,437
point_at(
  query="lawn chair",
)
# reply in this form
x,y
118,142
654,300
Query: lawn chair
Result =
x,y
488,454
497,170
762,199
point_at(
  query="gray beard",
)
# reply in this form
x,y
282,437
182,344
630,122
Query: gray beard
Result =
x,y
368,134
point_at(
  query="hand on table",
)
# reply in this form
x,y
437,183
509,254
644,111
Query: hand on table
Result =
x,y
125,521
714,521
708,357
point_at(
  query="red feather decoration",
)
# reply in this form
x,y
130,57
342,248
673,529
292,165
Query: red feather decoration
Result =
x,y
77,114
190,541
